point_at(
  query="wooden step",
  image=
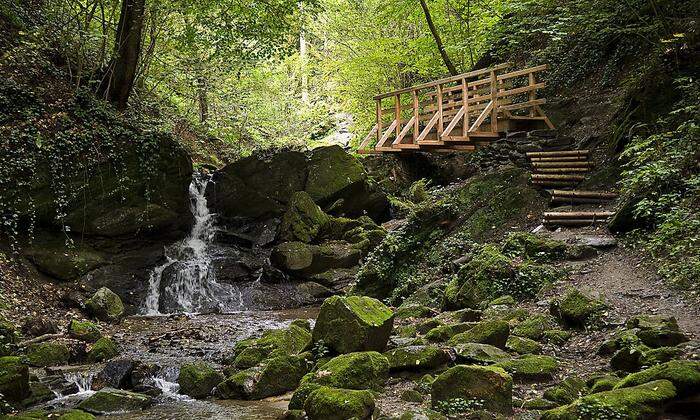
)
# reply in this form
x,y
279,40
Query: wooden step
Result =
x,y
559,183
562,164
561,170
574,222
560,153
578,214
559,159
581,196
557,177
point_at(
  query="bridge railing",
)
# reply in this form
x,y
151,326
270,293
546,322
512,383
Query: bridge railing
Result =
x,y
455,113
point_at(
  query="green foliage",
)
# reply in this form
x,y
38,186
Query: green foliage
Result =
x,y
662,178
456,406
597,410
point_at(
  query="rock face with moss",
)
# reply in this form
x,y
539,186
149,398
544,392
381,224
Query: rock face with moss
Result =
x,y
103,349
530,367
576,309
641,401
51,353
109,401
685,376
198,379
14,379
273,376
327,403
273,343
355,323
481,354
84,330
105,305
494,333
362,370
416,358
492,385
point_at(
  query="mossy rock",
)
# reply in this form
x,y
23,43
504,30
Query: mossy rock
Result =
x,y
274,376
362,370
641,401
414,311
416,358
76,415
354,323
530,367
84,330
39,393
302,323
110,401
292,340
54,258
576,309
539,404
14,379
292,256
505,313
105,305
428,325
534,327
411,395
198,379
651,322
327,403
333,174
480,354
103,349
303,219
566,391
422,414
293,415
51,353
507,300
491,384
602,383
494,333
301,394
685,376
661,337
556,336
633,355
523,345
530,246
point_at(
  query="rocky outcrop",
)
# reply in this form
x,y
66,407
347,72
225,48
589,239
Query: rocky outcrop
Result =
x,y
198,379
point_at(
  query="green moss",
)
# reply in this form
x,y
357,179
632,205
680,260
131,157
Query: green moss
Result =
x,y
414,311
274,376
445,332
303,219
522,345
331,171
302,393
416,358
636,402
494,333
51,353
507,300
289,341
425,326
557,337
105,305
527,245
566,391
198,379
108,401
576,309
531,367
603,383
411,395
534,327
76,415
84,330
14,379
362,370
684,375
480,354
327,403
490,384
103,349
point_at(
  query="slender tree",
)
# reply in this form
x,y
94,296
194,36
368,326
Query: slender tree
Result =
x,y
438,41
119,80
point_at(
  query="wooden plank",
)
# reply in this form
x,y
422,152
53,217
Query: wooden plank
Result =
x,y
481,117
517,91
559,159
397,113
379,120
552,177
453,123
441,120
465,106
578,214
584,164
574,222
546,119
584,194
386,135
561,170
581,152
404,131
427,128
521,105
523,72
368,138
416,122
494,100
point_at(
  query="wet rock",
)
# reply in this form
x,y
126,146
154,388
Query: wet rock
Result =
x,y
327,403
480,354
14,379
314,290
34,326
684,375
636,402
274,376
105,305
115,374
362,370
355,323
103,349
198,379
576,309
108,400
50,353
531,367
84,331
494,333
491,384
417,358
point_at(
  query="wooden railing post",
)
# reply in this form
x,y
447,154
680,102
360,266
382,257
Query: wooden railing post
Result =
x,y
397,114
379,120
494,101
439,110
465,104
532,95
414,94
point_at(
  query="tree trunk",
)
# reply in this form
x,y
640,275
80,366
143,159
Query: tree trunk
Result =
x,y
438,41
119,80
303,57
202,99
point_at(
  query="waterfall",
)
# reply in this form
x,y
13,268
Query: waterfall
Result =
x,y
186,282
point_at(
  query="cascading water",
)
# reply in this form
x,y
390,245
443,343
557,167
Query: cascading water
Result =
x,y
186,282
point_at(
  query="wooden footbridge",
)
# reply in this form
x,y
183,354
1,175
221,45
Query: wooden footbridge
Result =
x,y
457,113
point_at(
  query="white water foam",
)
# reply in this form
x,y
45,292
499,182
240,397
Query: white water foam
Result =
x,y
193,286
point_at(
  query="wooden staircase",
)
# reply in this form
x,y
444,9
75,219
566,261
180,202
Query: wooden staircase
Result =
x,y
567,169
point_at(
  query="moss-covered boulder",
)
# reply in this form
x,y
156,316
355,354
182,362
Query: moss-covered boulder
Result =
x,y
641,401
289,341
76,415
494,333
416,358
274,376
14,379
53,258
530,367
422,414
523,345
110,401
411,395
490,384
198,379
534,247
84,330
575,309
534,327
326,403
480,354
105,305
103,349
355,323
303,219
333,175
443,333
362,370
301,394
556,336
566,391
293,256
685,376
600,383
414,311
299,258
50,353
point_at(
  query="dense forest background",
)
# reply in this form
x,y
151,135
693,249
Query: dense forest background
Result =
x,y
230,77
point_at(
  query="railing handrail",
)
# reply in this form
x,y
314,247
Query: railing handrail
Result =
x,y
434,83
